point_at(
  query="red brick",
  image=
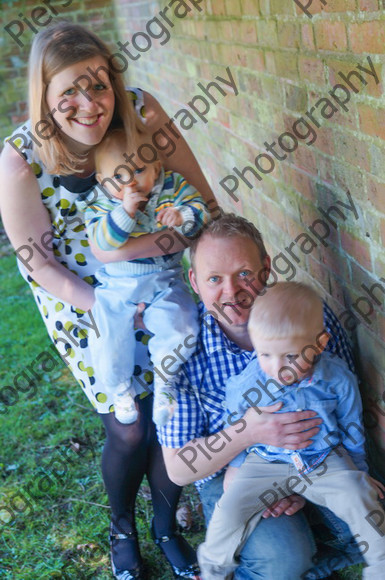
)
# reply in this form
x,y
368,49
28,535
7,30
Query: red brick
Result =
x,y
233,7
368,5
330,35
339,6
301,182
358,249
325,169
254,58
372,121
218,8
312,69
314,8
337,290
304,158
289,34
335,262
250,7
267,33
367,37
308,36
286,65
324,140
382,229
376,193
371,88
319,273
352,150
245,31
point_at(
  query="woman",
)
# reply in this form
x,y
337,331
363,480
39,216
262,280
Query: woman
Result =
x,y
74,98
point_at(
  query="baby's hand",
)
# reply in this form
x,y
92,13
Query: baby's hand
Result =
x,y
170,216
229,476
132,200
378,486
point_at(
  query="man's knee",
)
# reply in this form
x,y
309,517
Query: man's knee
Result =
x,y
279,548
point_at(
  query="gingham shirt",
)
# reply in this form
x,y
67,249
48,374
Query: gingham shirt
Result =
x,y
201,409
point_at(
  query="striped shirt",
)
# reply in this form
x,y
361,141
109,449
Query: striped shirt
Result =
x,y
201,409
109,226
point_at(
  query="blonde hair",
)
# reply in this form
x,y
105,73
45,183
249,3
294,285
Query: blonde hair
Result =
x,y
55,48
229,225
287,309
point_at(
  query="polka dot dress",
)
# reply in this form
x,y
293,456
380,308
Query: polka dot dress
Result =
x,y
69,327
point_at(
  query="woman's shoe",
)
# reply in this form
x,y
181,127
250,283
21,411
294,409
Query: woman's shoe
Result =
x,y
135,573
189,572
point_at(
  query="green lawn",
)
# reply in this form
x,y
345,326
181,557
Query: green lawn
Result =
x,y
53,509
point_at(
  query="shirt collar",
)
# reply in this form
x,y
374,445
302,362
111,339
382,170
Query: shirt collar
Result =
x,y
213,337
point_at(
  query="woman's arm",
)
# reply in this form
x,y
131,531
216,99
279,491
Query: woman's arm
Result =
x,y
28,227
182,159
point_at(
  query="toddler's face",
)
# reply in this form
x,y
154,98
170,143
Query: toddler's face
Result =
x,y
288,360
127,179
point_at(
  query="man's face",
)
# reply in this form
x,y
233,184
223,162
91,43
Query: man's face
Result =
x,y
228,274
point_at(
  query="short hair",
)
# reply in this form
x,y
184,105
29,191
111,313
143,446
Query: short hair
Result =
x,y
55,48
286,309
229,225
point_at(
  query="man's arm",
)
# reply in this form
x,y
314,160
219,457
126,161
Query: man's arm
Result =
x,y
204,456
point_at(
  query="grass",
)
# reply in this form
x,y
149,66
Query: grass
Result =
x,y
53,508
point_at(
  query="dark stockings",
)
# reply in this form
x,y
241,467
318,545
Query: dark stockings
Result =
x,y
130,452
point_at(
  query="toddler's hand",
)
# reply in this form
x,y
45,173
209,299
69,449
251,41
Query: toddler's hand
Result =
x,y
170,216
229,476
132,200
378,486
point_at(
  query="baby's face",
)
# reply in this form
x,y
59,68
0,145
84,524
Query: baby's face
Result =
x,y
288,360
126,178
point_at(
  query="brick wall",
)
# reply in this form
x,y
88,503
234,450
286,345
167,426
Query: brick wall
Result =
x,y
19,22
317,194
284,62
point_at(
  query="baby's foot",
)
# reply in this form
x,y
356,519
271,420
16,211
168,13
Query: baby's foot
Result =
x,y
164,406
124,407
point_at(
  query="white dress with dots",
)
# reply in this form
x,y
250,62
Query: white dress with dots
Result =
x,y
67,326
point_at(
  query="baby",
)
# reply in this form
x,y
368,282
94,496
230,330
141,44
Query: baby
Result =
x,y
135,200
286,330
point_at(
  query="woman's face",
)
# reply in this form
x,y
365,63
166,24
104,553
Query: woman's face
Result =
x,y
81,101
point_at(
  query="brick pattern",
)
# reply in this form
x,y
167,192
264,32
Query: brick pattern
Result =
x,y
284,62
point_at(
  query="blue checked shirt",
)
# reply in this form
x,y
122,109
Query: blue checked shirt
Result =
x,y
201,409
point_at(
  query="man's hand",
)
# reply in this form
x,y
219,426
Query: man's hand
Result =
x,y
170,216
132,200
380,488
288,505
291,430
229,476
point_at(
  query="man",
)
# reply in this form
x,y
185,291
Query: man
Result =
x,y
230,266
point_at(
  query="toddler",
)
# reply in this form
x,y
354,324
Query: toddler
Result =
x,y
138,199
286,330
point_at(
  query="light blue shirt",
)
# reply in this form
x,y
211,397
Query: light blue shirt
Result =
x,y
332,391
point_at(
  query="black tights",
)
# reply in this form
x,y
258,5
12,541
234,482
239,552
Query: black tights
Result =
x,y
130,452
